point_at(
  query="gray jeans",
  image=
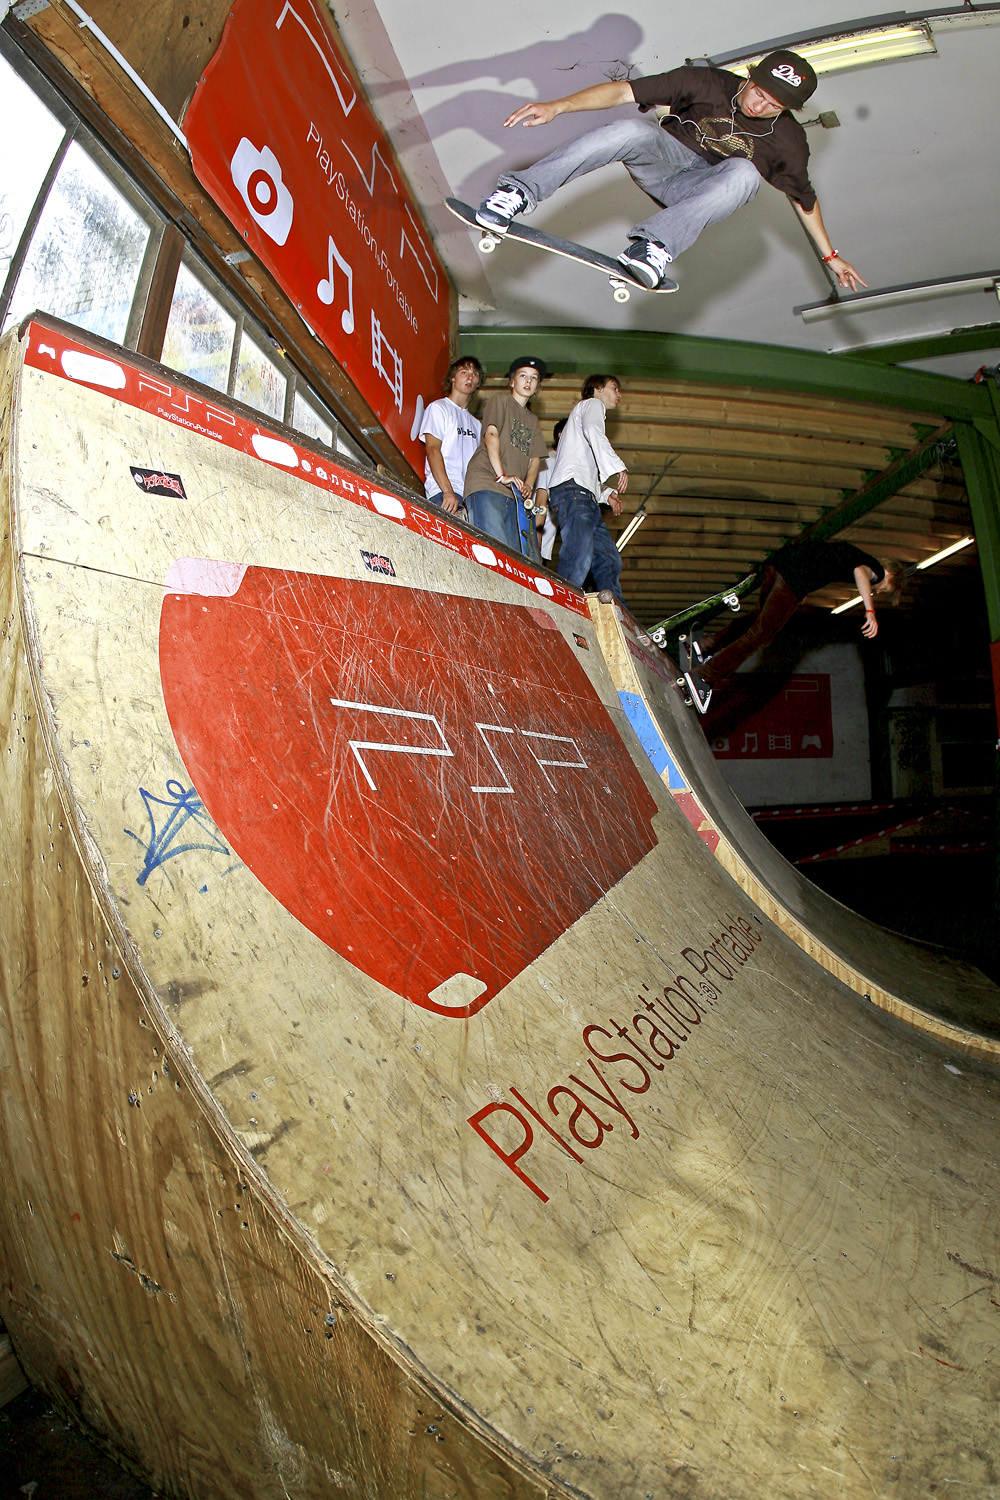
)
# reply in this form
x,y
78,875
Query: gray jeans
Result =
x,y
693,193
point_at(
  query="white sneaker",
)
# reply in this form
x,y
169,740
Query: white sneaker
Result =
x,y
646,260
496,211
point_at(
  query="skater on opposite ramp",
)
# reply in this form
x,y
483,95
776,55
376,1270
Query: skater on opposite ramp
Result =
x,y
793,572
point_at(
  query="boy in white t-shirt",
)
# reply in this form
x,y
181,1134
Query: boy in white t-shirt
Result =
x,y
450,435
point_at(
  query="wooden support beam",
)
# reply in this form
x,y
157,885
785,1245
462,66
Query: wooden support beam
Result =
x,y
744,442
891,429
879,489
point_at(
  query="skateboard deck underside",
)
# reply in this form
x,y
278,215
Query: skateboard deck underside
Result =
x,y
569,249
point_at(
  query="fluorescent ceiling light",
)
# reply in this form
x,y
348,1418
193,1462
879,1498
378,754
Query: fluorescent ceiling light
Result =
x,y
860,48
631,528
945,552
928,562
913,291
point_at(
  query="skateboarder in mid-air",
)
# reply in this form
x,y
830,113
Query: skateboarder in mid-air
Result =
x,y
719,135
792,573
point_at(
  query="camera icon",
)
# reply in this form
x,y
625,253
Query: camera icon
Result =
x,y
257,174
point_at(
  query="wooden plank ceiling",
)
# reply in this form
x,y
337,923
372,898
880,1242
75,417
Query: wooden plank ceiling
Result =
x,y
752,469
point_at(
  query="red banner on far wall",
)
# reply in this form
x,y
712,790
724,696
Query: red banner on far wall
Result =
x,y
289,150
788,718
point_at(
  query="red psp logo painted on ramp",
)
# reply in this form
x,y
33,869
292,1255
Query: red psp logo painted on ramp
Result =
x,y
430,784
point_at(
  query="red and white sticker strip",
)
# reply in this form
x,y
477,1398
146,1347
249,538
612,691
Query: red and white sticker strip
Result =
x,y
51,351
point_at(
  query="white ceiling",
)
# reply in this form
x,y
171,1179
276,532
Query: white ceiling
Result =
x,y
908,183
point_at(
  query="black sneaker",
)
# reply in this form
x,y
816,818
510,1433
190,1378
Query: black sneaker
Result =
x,y
496,211
700,692
646,260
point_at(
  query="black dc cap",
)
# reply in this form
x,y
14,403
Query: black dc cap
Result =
x,y
786,76
528,361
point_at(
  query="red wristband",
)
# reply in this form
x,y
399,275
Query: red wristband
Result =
x,y
832,256
869,611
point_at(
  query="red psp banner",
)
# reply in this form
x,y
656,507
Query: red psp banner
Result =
x,y
430,784
778,718
289,150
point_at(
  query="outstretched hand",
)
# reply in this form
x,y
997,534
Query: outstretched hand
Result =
x,y
870,628
845,273
533,114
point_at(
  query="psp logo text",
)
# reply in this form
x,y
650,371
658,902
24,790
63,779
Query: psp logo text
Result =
x,y
257,174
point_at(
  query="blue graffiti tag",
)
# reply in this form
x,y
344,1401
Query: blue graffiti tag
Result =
x,y
162,844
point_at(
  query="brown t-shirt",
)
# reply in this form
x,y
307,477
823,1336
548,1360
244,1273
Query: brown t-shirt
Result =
x,y
520,441
703,116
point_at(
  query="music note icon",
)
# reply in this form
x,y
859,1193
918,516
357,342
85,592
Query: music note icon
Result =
x,y
325,288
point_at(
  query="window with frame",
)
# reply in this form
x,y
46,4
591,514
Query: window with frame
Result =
x,y
80,241
77,239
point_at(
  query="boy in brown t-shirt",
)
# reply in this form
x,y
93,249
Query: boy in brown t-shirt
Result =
x,y
718,136
504,467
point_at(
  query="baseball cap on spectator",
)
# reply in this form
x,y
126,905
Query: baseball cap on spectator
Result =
x,y
528,361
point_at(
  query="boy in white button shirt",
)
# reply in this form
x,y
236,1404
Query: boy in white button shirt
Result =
x,y
585,473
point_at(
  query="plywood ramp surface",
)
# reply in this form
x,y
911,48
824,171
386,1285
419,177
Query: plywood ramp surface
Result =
x,y
399,1098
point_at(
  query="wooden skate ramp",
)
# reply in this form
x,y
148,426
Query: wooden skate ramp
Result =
x,y
937,993
399,1099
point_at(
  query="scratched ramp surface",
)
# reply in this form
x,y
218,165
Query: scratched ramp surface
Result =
x,y
399,1098
948,999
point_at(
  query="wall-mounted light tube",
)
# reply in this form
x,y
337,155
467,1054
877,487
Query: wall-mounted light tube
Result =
x,y
928,562
632,527
913,291
860,48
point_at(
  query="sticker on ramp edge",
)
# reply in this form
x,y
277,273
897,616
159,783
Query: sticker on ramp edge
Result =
x,y
375,562
157,482
434,811
581,641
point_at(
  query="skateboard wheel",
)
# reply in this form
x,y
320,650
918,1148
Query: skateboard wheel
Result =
x,y
680,682
488,244
622,294
659,637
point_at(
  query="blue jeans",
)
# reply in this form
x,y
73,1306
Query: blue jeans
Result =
x,y
496,515
586,544
693,192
